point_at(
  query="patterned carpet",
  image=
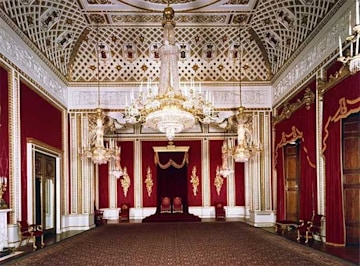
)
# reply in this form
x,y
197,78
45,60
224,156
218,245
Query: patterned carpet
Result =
x,y
212,243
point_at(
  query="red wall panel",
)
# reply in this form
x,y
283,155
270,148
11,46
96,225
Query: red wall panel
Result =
x,y
4,128
215,160
39,120
127,160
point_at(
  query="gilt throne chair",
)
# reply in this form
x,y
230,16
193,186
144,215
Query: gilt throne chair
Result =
x,y
124,212
30,232
165,206
308,229
220,213
177,205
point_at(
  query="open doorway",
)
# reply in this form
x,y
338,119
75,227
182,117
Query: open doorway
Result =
x,y
45,191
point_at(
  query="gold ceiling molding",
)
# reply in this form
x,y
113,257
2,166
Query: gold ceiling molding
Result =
x,y
289,108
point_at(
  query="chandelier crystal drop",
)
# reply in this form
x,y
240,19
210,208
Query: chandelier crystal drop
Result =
x,y
169,108
352,58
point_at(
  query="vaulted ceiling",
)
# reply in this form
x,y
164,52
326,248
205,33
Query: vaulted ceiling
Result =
x,y
65,34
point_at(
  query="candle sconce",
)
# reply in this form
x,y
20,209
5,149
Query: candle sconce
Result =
x,y
353,57
3,186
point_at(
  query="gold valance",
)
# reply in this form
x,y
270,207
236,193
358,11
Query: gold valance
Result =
x,y
172,149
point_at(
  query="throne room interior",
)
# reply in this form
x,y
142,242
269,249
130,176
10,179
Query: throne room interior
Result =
x,y
291,64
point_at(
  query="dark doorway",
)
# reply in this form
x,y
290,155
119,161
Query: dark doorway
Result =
x,y
351,177
45,197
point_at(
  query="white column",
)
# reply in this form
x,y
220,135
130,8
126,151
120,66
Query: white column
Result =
x,y
205,178
138,175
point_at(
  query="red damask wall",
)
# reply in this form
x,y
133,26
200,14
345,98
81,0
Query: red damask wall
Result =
x,y
4,128
215,161
40,120
127,160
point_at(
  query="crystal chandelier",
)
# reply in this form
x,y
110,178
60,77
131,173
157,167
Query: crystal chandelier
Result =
x,y
96,150
118,171
246,145
353,57
169,108
226,153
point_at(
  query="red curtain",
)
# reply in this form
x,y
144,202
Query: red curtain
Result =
x,y
339,102
39,120
4,129
291,129
172,177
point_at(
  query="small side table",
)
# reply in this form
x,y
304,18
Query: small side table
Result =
x,y
285,225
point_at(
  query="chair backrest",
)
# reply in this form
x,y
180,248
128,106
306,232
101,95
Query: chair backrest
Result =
x,y
125,206
23,226
219,205
165,201
316,220
177,201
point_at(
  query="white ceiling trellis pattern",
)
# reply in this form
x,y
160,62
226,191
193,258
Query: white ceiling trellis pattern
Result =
x,y
65,33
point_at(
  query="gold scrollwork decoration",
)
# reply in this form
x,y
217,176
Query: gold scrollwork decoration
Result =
x,y
218,181
149,181
125,182
194,180
289,108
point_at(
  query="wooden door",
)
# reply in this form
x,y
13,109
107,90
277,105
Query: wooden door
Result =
x,y
351,177
291,156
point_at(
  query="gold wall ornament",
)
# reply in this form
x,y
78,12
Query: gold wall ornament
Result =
x,y
3,186
218,181
149,181
125,182
290,108
194,180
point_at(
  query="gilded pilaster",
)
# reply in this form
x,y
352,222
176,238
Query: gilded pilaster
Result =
x,y
113,192
138,175
320,162
205,178
74,161
14,147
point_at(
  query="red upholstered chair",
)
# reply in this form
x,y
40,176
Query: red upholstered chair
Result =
x,y
30,232
219,211
177,205
165,206
99,217
124,212
308,229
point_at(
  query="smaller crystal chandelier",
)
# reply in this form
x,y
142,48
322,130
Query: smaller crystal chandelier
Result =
x,y
96,150
353,58
168,108
226,153
118,171
245,146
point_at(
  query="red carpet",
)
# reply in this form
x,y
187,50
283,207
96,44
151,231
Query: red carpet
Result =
x,y
147,244
171,217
